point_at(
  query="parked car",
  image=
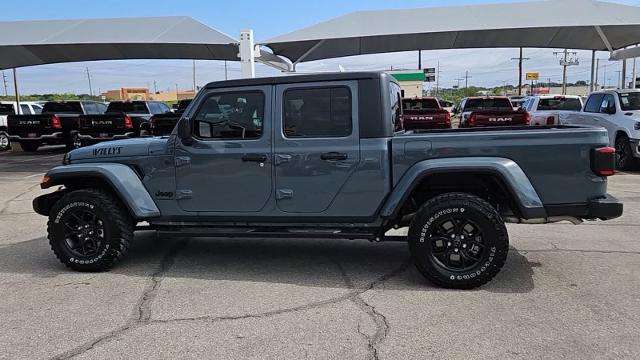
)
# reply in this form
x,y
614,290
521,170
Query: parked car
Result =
x,y
618,111
424,113
57,124
547,109
490,111
9,108
163,124
122,119
315,156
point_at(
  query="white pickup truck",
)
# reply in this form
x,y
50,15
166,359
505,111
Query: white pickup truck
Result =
x,y
619,112
9,108
548,109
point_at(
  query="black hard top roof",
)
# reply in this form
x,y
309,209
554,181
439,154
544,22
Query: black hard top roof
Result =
x,y
290,79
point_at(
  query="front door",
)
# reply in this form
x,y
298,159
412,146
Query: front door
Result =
x,y
316,144
227,165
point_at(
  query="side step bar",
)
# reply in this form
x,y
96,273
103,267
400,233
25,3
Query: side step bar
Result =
x,y
269,232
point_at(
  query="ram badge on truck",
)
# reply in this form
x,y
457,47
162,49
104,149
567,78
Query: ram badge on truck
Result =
x,y
316,156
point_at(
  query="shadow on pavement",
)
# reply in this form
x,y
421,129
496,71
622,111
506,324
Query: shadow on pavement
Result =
x,y
302,262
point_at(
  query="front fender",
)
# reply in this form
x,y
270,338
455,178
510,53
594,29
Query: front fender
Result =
x,y
507,170
123,180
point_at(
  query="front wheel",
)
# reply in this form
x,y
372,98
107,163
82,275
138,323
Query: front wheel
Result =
x,y
624,154
458,240
5,144
89,230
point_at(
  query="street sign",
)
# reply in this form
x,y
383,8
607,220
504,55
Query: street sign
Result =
x,y
430,78
533,76
430,70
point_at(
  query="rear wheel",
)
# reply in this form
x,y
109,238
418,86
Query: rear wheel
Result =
x,y
458,240
5,144
30,146
624,154
89,230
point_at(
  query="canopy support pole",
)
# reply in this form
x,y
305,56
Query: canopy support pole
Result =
x,y
247,54
15,88
623,75
306,53
604,38
592,84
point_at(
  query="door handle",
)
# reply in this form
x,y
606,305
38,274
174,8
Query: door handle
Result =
x,y
254,157
334,156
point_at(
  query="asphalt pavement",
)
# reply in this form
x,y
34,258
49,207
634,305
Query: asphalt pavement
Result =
x,y
570,292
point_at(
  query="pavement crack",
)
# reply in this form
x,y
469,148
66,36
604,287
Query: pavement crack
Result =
x,y
141,315
557,249
6,203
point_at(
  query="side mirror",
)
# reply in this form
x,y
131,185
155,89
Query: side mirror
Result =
x,y
184,130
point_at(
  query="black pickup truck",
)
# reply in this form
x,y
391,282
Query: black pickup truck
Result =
x,y
163,124
123,119
57,124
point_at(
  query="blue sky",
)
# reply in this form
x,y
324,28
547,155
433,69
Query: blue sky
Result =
x,y
268,18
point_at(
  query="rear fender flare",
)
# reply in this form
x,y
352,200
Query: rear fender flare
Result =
x,y
123,180
521,189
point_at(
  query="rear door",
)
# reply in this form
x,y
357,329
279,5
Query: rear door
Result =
x,y
316,143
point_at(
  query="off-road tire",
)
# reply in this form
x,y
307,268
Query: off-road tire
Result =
x,y
118,228
468,208
624,155
5,143
30,146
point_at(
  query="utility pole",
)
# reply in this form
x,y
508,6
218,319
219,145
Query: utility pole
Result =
x,y
565,62
633,74
15,87
155,87
177,92
623,76
466,79
520,60
89,78
458,80
604,76
438,78
4,79
194,76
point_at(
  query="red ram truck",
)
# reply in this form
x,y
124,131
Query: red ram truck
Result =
x,y
490,111
424,113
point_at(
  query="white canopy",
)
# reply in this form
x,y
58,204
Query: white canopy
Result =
x,y
24,43
573,24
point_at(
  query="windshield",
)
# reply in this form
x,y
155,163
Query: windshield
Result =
x,y
6,109
629,101
560,103
136,107
420,104
488,104
62,107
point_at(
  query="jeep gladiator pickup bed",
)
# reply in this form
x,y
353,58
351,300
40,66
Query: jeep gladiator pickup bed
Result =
x,y
316,156
57,124
122,119
490,111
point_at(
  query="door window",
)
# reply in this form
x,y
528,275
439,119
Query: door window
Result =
x,y
593,103
317,112
237,115
608,105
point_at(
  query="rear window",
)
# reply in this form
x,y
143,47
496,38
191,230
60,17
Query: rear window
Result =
x,y
62,107
317,112
136,107
420,104
488,104
6,109
560,103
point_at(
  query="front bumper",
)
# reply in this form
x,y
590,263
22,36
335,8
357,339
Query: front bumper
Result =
x,y
604,208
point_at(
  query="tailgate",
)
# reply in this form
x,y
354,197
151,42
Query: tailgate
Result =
x,y
101,123
32,125
498,118
421,119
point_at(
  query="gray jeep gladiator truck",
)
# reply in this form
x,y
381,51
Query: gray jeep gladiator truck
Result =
x,y
316,156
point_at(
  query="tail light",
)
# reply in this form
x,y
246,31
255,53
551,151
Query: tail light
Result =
x,y
472,120
527,118
447,118
603,161
551,120
128,123
55,122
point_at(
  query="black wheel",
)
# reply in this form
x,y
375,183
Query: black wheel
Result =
x,y
5,144
74,142
30,146
624,154
458,241
89,230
